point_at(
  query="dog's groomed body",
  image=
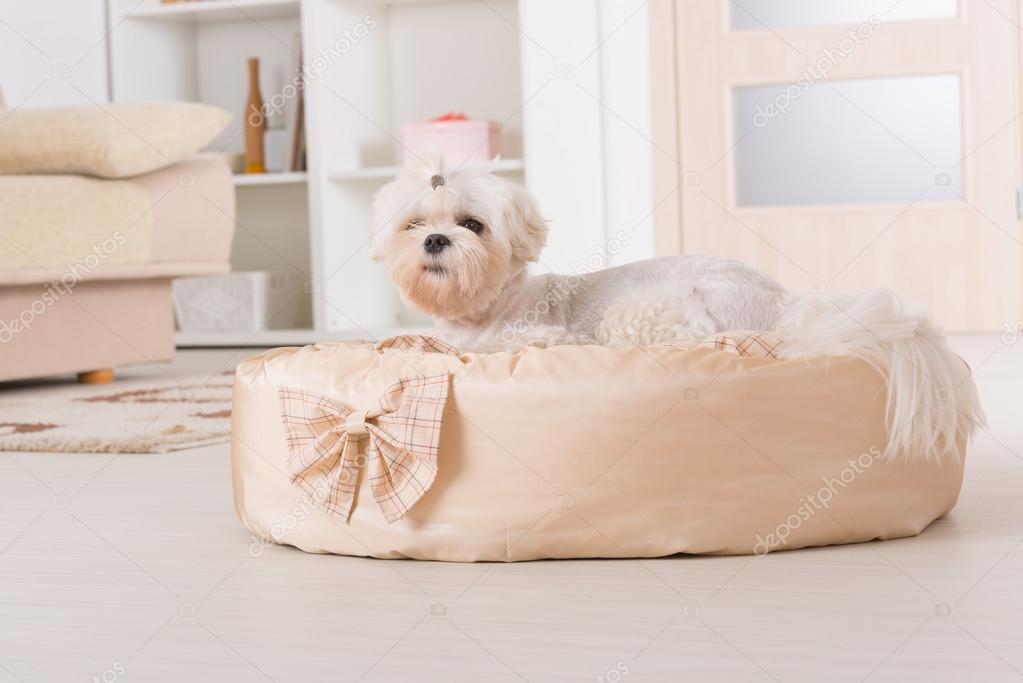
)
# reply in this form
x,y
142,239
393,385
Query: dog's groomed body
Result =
x,y
458,245
678,298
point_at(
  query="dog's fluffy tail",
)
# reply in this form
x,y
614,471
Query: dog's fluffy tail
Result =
x,y
932,400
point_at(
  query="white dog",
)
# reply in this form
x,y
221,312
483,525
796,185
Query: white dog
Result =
x,y
457,246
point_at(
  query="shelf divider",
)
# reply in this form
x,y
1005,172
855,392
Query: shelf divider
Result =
x,y
216,10
388,172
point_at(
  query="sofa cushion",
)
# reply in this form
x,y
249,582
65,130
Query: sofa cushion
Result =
x,y
110,141
173,222
73,221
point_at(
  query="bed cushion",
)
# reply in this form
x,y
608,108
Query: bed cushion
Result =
x,y
571,451
115,140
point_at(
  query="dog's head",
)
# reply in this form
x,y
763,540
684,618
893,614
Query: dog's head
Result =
x,y
451,241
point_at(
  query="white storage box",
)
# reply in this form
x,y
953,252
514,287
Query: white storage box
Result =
x,y
237,302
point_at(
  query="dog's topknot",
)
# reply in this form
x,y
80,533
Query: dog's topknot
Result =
x,y
437,181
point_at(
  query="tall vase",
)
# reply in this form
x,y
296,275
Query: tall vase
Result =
x,y
255,122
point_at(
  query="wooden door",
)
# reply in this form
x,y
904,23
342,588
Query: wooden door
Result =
x,y
841,149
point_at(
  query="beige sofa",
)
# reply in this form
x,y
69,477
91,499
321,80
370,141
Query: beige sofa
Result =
x,y
86,264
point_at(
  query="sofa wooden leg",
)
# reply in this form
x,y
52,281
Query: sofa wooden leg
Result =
x,y
101,376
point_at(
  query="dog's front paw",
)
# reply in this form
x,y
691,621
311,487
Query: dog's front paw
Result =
x,y
541,336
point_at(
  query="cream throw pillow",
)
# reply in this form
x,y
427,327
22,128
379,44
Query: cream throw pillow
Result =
x,y
110,141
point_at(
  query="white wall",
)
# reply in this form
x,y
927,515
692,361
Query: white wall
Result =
x,y
53,53
562,120
477,38
587,114
627,128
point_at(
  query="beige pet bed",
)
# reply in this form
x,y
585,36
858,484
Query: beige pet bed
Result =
x,y
408,449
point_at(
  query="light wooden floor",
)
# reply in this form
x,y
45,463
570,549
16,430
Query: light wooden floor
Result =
x,y
134,567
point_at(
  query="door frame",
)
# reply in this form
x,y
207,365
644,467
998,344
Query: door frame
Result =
x,y
665,128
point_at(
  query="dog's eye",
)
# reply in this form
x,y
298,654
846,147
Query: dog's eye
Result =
x,y
415,223
471,224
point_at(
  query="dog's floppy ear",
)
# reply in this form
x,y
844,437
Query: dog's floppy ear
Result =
x,y
529,234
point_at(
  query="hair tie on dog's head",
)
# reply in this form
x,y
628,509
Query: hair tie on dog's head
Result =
x,y
436,181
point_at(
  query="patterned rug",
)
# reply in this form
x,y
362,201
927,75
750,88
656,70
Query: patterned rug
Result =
x,y
128,416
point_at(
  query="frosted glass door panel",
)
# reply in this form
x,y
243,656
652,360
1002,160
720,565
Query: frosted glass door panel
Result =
x,y
864,141
759,14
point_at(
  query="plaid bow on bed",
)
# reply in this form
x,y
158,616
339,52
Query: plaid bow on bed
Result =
x,y
400,455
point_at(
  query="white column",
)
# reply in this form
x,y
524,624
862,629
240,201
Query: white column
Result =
x,y
562,124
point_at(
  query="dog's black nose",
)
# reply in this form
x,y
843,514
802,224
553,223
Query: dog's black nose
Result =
x,y
434,244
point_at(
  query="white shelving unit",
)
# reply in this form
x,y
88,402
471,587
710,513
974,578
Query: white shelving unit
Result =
x,y
251,179
388,172
217,10
368,71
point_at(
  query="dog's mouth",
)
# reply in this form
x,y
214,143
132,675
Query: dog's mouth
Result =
x,y
435,269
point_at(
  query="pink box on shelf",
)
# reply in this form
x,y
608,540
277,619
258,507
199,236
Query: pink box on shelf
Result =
x,y
458,138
